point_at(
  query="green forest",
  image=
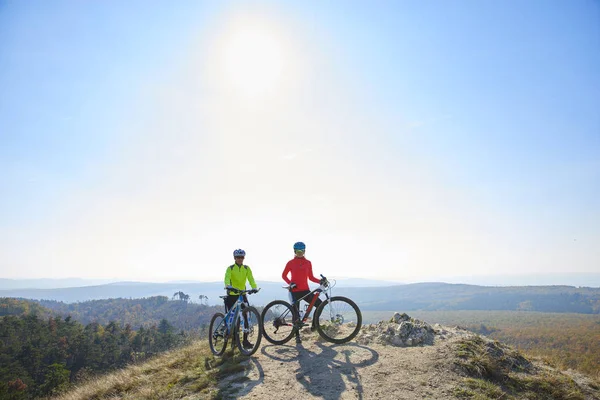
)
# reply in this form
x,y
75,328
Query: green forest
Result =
x,y
443,296
180,312
39,357
43,351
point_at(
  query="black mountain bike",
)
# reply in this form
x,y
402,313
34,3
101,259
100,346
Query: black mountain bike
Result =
x,y
242,325
338,319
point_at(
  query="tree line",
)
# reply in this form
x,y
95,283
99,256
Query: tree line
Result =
x,y
443,296
46,346
181,313
40,357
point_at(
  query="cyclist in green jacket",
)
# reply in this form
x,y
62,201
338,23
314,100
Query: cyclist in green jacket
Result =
x,y
235,277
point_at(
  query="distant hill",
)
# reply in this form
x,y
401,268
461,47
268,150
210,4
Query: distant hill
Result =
x,y
417,296
546,279
136,313
135,290
269,291
443,296
48,283
571,279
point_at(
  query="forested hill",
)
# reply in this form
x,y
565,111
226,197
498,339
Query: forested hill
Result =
x,y
48,344
136,313
418,296
443,296
40,356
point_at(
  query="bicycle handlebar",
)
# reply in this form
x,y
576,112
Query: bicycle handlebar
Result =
x,y
245,291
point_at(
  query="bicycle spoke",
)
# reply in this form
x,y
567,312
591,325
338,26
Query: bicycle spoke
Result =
x,y
217,334
249,331
277,318
338,320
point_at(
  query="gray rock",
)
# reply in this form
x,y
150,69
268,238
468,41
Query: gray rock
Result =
x,y
400,330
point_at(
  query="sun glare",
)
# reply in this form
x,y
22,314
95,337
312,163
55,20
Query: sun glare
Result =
x,y
253,61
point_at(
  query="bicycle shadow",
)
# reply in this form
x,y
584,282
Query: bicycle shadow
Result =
x,y
322,373
283,353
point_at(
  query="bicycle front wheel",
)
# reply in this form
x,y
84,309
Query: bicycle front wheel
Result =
x,y
248,331
217,334
277,320
338,320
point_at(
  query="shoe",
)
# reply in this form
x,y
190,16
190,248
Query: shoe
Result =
x,y
247,345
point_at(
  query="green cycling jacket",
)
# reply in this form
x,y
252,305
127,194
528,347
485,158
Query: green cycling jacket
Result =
x,y
236,276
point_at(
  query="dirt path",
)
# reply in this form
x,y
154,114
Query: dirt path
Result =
x,y
317,369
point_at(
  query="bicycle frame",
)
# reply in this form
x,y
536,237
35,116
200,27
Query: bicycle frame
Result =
x,y
240,324
233,315
316,293
337,319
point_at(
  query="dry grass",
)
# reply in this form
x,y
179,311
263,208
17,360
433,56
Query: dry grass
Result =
x,y
187,373
497,371
492,371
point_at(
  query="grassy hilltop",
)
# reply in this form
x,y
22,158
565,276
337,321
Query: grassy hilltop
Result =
x,y
472,367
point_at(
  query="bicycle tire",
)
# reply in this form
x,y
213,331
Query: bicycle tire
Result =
x,y
338,320
217,340
253,330
277,321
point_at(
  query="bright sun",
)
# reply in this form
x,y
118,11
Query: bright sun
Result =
x,y
253,61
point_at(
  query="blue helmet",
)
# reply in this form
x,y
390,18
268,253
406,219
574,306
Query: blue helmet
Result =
x,y
239,253
299,246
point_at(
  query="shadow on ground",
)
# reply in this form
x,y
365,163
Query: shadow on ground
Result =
x,y
240,383
322,372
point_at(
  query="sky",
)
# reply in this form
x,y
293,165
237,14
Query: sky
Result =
x,y
400,140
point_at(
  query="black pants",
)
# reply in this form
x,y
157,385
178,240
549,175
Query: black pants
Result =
x,y
298,295
230,302
231,299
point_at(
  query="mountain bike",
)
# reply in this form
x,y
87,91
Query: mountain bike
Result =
x,y
242,325
337,319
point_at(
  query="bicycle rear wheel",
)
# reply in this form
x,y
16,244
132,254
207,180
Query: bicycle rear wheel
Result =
x,y
338,319
248,331
277,320
217,334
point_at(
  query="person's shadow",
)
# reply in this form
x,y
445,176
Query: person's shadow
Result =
x,y
321,373
237,383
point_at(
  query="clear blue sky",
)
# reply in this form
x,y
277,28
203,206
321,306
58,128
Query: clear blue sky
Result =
x,y
407,140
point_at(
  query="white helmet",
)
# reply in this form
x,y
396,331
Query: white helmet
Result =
x,y
239,253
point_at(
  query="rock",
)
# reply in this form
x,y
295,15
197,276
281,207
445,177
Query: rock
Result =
x,y
397,318
400,330
396,341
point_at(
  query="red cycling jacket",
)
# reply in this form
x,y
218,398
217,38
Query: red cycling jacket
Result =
x,y
301,270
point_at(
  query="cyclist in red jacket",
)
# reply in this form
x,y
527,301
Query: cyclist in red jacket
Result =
x,y
301,271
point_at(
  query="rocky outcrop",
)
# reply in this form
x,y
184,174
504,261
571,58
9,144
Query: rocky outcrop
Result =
x,y
402,330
